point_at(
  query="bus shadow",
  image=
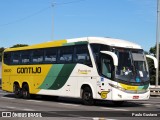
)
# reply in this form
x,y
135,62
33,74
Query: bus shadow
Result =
x,y
102,103
10,95
77,101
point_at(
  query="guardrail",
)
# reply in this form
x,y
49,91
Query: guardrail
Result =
x,y
155,91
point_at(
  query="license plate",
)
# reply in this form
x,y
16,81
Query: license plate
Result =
x,y
135,97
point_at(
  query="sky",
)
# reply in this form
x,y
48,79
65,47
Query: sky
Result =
x,y
37,21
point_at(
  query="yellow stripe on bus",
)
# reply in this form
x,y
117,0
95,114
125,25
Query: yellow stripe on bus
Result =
x,y
42,45
129,87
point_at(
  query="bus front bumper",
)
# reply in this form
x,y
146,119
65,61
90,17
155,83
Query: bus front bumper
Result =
x,y
118,95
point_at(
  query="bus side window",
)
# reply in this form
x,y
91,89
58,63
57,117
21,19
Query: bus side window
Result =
x,y
16,56
66,54
7,58
50,55
82,55
25,57
37,56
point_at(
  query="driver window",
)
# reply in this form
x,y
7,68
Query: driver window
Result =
x,y
106,66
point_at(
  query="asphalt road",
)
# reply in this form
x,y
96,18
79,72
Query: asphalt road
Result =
x,y
69,108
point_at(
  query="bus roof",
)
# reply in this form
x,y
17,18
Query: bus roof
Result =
x,y
96,40
108,41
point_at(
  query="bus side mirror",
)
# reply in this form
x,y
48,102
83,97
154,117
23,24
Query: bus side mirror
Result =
x,y
113,55
154,59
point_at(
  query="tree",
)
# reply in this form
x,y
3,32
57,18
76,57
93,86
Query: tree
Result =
x,y
152,70
1,51
19,45
14,46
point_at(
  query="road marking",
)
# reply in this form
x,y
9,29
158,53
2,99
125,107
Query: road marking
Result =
x,y
110,119
98,118
147,104
10,107
157,105
3,93
34,101
28,110
67,104
15,108
102,119
8,98
114,109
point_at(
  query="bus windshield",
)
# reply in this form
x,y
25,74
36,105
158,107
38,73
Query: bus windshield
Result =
x,y
131,66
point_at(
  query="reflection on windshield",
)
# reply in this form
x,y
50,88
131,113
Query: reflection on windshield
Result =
x,y
131,66
141,69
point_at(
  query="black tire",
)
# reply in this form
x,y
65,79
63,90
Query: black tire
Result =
x,y
25,91
17,91
87,96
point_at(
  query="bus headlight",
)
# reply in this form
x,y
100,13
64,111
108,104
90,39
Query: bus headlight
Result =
x,y
129,91
117,87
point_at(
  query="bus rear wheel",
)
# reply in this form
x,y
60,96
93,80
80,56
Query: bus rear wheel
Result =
x,y
87,96
25,91
17,91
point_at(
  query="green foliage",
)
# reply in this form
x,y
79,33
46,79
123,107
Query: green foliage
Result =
x,y
152,70
1,51
19,45
153,50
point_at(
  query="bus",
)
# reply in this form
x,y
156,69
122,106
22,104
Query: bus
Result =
x,y
88,68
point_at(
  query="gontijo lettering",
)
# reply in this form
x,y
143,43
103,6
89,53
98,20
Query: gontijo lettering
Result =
x,y
24,70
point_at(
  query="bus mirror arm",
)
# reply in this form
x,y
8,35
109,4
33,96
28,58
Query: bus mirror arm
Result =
x,y
154,59
113,55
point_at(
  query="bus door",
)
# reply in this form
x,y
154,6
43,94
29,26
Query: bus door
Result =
x,y
106,76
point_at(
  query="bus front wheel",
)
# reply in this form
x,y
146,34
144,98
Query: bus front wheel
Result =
x,y
87,96
25,91
17,91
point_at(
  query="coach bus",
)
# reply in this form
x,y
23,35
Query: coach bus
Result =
x,y
89,68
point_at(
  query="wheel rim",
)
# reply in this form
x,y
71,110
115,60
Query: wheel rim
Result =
x,y
16,90
87,96
25,93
